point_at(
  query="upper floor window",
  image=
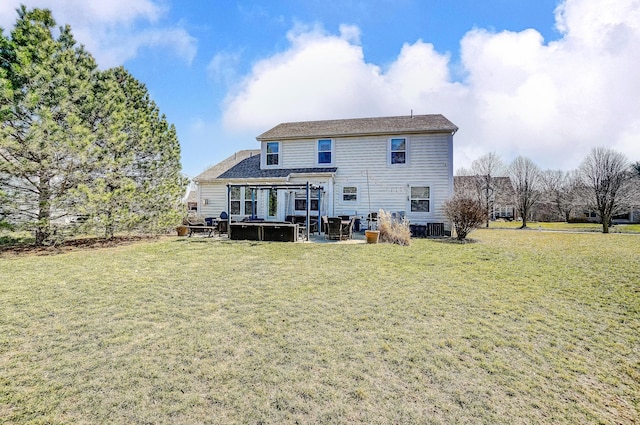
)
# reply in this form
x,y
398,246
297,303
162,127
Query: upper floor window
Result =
x,y
349,193
398,150
325,151
420,198
273,153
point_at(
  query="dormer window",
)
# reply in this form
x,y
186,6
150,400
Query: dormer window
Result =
x,y
273,153
325,151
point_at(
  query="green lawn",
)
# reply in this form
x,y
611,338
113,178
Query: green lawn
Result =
x,y
562,226
519,327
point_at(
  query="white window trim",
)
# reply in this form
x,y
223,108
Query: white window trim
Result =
x,y
267,200
420,213
239,199
348,201
263,158
332,151
298,195
407,149
245,196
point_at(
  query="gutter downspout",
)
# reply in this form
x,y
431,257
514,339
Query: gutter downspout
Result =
x,y
308,208
229,210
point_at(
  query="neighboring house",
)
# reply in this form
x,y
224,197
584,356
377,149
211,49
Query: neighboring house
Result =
x,y
501,194
400,164
192,200
633,216
628,217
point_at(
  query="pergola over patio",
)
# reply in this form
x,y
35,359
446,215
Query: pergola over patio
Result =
x,y
308,187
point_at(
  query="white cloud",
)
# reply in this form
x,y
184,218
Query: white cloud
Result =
x,y
325,76
113,31
319,72
222,67
551,102
351,33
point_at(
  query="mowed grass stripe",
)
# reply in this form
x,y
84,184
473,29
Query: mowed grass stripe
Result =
x,y
519,327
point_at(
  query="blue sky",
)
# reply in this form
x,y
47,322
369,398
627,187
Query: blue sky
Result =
x,y
545,79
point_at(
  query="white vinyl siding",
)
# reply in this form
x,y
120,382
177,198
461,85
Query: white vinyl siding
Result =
x,y
429,163
216,199
216,195
388,187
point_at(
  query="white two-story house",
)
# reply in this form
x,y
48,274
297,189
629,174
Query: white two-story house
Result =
x,y
400,164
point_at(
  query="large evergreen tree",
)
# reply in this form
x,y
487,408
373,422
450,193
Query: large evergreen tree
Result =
x,y
74,140
45,144
138,182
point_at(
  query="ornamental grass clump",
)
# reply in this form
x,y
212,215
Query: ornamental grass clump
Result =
x,y
393,230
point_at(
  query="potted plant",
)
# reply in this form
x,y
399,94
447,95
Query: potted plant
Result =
x,y
372,235
182,230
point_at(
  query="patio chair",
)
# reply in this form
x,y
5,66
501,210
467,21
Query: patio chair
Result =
x,y
324,225
334,228
372,221
198,224
347,229
223,227
313,225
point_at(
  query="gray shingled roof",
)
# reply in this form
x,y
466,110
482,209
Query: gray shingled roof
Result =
x,y
250,169
213,172
192,196
360,126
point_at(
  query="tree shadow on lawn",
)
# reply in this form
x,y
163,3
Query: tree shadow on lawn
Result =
x,y
454,241
70,245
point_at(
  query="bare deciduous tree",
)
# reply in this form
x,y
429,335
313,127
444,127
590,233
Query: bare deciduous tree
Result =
x,y
462,171
561,190
485,170
526,180
605,175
